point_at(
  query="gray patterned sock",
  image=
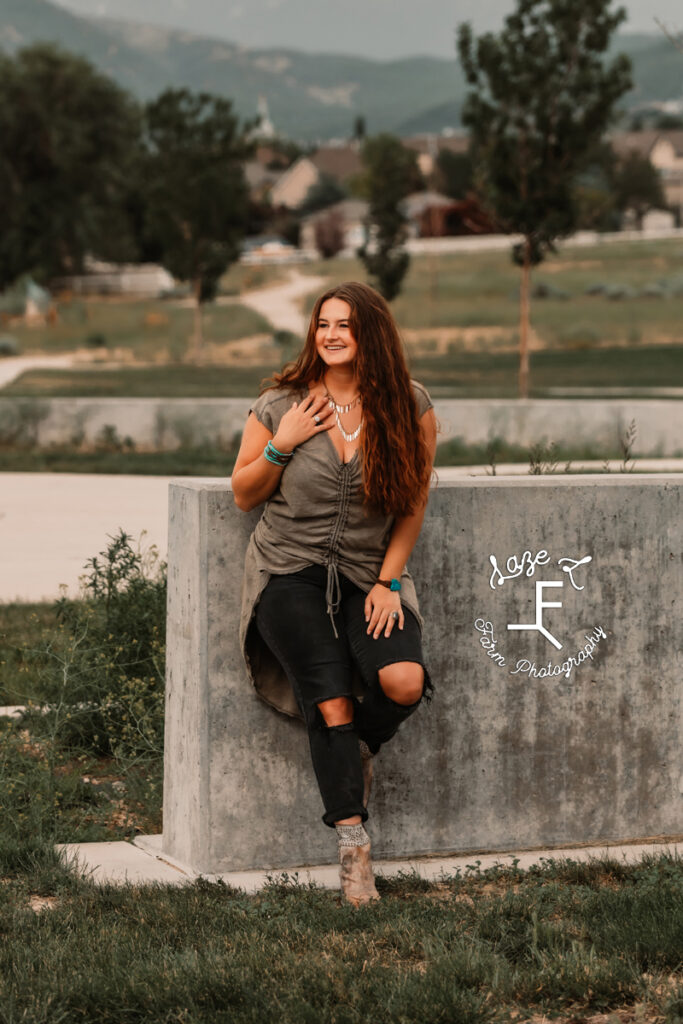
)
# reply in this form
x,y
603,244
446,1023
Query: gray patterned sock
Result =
x,y
351,835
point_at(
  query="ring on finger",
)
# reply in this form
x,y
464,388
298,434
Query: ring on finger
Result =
x,y
316,420
394,615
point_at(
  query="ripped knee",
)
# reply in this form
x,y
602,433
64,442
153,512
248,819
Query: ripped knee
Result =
x,y
402,682
336,711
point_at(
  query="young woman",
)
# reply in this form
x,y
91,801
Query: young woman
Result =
x,y
340,448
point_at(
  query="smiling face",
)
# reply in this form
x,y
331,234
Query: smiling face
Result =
x,y
334,341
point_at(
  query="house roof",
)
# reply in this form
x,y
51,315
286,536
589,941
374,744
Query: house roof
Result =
x,y
339,162
433,144
644,142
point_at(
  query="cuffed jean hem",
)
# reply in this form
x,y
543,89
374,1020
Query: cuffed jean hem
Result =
x,y
330,817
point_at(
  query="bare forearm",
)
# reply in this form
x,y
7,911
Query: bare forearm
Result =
x,y
401,543
255,482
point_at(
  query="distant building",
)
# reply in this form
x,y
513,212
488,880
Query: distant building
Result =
x,y
428,148
265,129
340,163
103,278
664,150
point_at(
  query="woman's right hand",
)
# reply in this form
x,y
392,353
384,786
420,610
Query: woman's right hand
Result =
x,y
298,423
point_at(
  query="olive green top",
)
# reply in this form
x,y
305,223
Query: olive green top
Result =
x,y
315,516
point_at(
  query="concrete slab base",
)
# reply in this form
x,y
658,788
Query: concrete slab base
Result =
x,y
142,863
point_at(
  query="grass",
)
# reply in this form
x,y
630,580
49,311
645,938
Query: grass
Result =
x,y
468,374
144,327
206,461
480,289
144,382
565,940
216,462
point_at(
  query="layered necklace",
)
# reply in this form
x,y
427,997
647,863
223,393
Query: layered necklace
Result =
x,y
341,410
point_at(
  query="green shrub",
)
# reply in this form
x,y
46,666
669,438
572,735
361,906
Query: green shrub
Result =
x,y
106,664
9,346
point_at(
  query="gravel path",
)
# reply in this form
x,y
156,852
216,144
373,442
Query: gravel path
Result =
x,y
281,303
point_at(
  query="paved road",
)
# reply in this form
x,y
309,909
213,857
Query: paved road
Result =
x,y
52,523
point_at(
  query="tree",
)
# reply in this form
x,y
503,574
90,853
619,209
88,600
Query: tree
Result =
x,y
638,186
326,191
67,138
196,195
329,234
453,173
391,173
540,99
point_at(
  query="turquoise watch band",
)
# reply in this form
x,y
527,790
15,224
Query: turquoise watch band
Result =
x,y
391,584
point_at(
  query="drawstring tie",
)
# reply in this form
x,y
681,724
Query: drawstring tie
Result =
x,y
333,593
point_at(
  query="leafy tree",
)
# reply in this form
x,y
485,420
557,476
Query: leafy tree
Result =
x,y
594,192
453,173
638,186
67,138
196,195
325,192
391,173
329,234
540,99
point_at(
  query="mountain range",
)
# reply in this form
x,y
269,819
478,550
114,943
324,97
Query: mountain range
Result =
x,y
309,96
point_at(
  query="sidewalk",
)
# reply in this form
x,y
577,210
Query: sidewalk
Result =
x,y
142,863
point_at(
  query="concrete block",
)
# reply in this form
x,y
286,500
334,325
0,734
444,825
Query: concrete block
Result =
x,y
565,734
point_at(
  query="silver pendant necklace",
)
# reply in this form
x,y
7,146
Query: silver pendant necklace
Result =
x,y
340,410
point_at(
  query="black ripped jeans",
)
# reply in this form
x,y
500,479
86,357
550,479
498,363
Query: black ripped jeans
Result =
x,y
292,619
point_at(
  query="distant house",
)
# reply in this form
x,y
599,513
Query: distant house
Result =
x,y
664,150
433,215
103,278
340,163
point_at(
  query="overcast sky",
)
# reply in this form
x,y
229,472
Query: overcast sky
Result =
x,y
369,28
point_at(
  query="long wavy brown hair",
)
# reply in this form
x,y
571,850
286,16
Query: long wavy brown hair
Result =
x,y
394,456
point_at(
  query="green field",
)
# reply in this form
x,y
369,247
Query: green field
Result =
x,y
643,303
145,329
467,374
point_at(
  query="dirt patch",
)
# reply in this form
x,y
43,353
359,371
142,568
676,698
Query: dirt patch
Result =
x,y
439,341
560,265
40,903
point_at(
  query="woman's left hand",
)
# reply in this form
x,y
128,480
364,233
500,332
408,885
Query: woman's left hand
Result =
x,y
380,605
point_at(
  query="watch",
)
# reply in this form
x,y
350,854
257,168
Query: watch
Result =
x,y
390,584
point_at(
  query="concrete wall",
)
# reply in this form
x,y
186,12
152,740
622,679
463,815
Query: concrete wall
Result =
x,y
161,423
524,744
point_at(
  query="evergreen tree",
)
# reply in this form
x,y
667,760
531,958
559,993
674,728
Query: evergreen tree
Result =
x,y
539,101
196,196
391,173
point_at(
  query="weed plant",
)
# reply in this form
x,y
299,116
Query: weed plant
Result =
x,y
89,748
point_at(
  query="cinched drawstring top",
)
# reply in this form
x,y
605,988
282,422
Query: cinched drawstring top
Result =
x,y
316,516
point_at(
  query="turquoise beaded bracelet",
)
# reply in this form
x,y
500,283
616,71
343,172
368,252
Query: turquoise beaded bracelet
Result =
x,y
276,457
